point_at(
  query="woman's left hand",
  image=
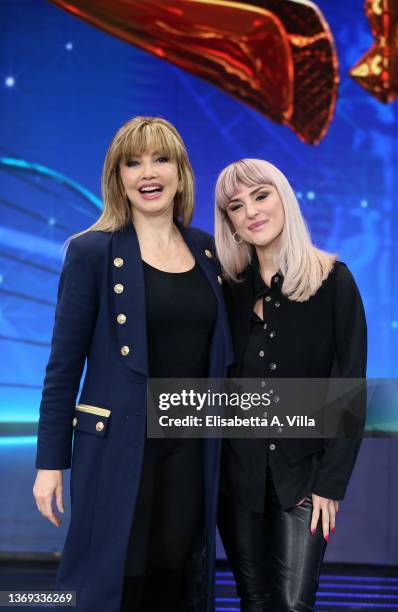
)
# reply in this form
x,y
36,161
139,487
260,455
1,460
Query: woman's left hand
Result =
x,y
329,509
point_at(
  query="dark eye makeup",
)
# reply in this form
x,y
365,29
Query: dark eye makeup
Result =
x,y
262,196
259,197
132,163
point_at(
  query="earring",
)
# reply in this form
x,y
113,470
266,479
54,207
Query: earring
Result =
x,y
235,240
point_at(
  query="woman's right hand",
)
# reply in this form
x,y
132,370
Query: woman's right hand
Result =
x,y
48,483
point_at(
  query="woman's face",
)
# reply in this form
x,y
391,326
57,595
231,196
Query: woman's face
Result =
x,y
257,214
150,181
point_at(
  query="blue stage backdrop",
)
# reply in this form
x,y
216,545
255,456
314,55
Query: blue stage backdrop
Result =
x,y
66,87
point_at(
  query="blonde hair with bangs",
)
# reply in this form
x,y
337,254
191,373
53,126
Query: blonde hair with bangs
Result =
x,y
133,138
304,266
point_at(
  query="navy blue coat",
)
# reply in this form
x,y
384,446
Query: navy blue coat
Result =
x,y
108,424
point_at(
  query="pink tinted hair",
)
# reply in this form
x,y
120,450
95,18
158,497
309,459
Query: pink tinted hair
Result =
x,y
304,266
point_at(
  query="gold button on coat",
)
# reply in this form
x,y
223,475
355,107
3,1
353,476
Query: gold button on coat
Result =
x,y
99,426
74,422
219,279
125,350
118,262
118,288
121,318
208,253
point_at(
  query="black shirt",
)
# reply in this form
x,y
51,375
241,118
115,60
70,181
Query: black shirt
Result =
x,y
323,337
181,310
258,360
249,457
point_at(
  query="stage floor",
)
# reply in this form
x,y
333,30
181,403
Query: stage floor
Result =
x,y
342,587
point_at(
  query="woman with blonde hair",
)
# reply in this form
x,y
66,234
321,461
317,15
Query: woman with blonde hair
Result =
x,y
139,297
295,312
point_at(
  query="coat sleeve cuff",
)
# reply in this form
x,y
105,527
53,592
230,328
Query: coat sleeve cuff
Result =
x,y
53,459
330,490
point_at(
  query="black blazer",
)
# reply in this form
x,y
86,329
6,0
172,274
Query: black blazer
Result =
x,y
322,337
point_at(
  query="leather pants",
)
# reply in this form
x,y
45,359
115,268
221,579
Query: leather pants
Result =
x,y
275,560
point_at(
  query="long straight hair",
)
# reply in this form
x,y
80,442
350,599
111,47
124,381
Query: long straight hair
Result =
x,y
135,137
303,266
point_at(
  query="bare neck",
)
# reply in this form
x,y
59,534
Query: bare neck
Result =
x,y
156,233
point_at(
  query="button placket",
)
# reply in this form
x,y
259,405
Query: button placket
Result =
x,y
272,333
270,299
120,317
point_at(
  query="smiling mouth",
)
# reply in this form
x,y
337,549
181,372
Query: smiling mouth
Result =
x,y
151,189
151,192
257,226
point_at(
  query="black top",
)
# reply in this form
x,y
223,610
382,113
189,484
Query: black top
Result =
x,y
322,337
181,309
257,361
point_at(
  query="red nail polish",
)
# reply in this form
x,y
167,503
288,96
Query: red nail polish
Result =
x,y
333,529
327,538
313,531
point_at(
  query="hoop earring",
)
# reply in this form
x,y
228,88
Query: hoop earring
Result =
x,y
234,238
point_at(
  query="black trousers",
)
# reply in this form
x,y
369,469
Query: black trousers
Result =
x,y
275,560
167,518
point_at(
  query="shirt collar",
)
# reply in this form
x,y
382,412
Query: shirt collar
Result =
x,y
260,288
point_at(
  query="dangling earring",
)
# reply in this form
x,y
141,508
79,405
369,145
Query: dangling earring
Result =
x,y
234,238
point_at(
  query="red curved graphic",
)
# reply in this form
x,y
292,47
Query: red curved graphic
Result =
x,y
377,70
277,56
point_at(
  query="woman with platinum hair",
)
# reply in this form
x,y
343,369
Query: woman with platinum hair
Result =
x,y
295,312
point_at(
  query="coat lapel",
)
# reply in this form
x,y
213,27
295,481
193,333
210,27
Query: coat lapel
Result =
x,y
206,263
